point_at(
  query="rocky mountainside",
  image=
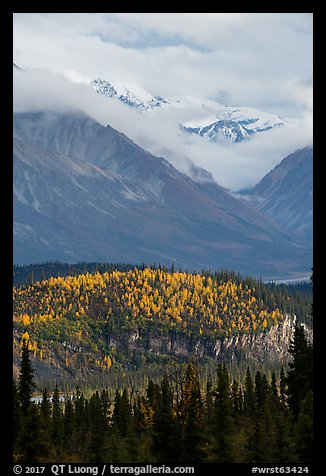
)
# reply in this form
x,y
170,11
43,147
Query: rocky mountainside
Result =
x,y
286,194
84,192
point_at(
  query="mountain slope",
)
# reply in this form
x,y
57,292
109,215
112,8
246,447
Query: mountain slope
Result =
x,y
84,192
286,193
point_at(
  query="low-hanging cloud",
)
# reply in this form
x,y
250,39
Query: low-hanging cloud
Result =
x,y
235,166
248,58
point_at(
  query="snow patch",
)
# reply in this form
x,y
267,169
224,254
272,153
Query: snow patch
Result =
x,y
20,196
100,209
44,241
22,230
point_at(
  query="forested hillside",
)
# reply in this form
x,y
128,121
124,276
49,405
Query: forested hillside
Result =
x,y
142,316
264,419
292,298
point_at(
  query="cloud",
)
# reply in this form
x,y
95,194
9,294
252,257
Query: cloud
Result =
x,y
236,167
261,60
299,92
249,58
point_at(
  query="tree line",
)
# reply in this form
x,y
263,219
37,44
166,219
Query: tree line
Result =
x,y
292,298
174,420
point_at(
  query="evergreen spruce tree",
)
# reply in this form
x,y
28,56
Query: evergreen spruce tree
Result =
x,y
123,428
153,395
304,430
32,444
193,437
80,419
57,422
274,392
138,415
284,445
208,403
278,421
249,399
122,414
166,431
97,429
26,384
283,387
45,413
191,416
237,401
249,410
190,387
299,378
261,392
223,420
69,425
31,441
16,413
262,429
45,407
240,424
105,403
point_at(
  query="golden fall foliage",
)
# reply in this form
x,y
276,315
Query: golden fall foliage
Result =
x,y
74,308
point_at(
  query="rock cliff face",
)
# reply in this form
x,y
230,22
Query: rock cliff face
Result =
x,y
138,349
271,346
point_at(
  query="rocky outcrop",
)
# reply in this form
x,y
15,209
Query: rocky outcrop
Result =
x,y
268,346
265,346
135,349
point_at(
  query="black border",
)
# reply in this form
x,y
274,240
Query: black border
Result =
x,y
7,241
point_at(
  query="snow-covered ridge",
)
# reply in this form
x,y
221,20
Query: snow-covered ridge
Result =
x,y
207,118
131,94
251,118
232,123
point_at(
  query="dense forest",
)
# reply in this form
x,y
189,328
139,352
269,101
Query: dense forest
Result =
x,y
75,322
72,317
292,298
176,420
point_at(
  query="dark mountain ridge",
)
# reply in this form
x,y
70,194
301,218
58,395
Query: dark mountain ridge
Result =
x,y
285,194
84,192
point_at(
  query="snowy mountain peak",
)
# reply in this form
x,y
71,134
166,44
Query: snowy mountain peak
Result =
x,y
207,118
232,123
131,94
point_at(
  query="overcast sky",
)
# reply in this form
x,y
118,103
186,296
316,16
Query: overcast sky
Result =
x,y
261,60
